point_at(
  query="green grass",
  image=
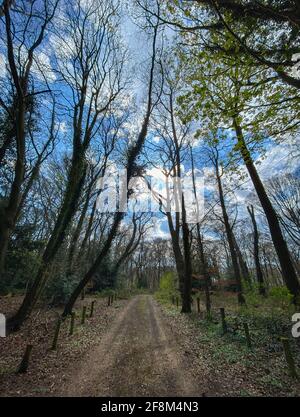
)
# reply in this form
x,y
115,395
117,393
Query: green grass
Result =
x,y
264,364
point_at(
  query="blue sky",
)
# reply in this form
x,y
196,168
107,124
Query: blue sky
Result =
x,y
277,158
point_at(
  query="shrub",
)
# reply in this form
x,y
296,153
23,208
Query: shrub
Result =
x,y
59,289
281,297
167,287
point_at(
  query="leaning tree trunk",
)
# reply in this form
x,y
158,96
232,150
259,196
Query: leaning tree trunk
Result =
x,y
76,234
288,271
75,183
88,231
116,222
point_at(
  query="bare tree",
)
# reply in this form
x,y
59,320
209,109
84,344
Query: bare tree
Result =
x,y
27,31
171,152
92,71
133,153
285,194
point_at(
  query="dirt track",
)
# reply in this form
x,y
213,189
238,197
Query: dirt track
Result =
x,y
137,357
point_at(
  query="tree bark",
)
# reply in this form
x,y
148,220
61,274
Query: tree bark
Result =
x,y
7,219
288,271
187,285
179,262
229,235
75,182
259,273
203,262
76,234
242,264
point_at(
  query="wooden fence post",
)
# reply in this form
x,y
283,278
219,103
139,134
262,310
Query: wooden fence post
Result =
x,y
108,301
71,331
224,324
207,300
83,314
56,334
289,357
92,309
25,360
198,304
247,333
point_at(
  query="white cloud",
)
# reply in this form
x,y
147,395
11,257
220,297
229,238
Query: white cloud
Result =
x,y
42,67
159,229
62,127
156,139
277,160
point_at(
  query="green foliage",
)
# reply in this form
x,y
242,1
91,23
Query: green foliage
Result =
x,y
281,297
167,282
22,260
237,91
105,277
253,298
21,267
167,287
60,288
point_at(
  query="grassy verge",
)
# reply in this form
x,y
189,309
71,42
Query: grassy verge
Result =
x,y
257,371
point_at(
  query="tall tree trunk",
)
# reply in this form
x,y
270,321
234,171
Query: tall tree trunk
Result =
x,y
204,269
179,261
88,229
187,285
284,257
76,234
230,238
75,182
8,215
203,262
242,264
259,273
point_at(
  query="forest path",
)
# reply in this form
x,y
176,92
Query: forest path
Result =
x,y
138,356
